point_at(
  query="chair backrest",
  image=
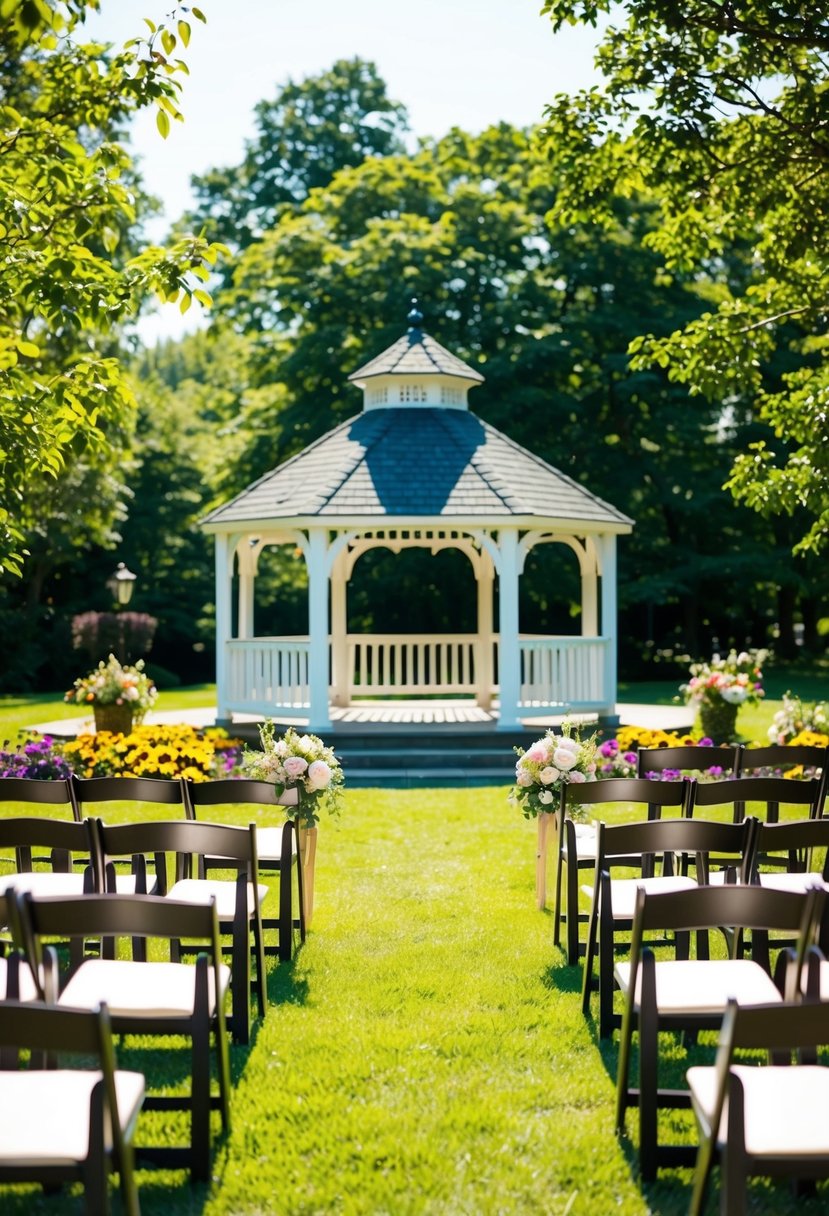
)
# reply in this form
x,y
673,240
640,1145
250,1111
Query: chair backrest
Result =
x,y
36,791
64,837
798,839
656,796
619,843
184,838
780,758
770,791
686,758
229,791
113,916
165,791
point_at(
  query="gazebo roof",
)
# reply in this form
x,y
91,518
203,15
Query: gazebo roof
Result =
x,y
417,464
416,353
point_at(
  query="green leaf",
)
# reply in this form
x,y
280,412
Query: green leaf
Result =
x,y
184,33
199,15
168,41
29,349
163,124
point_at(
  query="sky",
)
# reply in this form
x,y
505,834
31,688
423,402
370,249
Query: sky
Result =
x,y
465,63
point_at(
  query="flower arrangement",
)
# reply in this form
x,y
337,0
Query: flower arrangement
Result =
x,y
794,717
155,751
613,761
39,758
550,763
302,762
112,684
736,679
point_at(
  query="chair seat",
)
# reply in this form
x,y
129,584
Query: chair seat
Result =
x,y
28,988
44,1115
125,884
781,1104
202,890
139,990
44,882
703,986
623,891
791,882
585,842
268,846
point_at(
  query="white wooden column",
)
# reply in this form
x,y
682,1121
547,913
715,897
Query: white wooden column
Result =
x,y
607,559
247,571
483,666
340,675
509,656
317,558
589,598
224,621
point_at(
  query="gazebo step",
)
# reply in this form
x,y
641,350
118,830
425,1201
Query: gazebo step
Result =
x,y
425,778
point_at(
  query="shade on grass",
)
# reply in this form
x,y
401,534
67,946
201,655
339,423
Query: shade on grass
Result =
x,y
425,1053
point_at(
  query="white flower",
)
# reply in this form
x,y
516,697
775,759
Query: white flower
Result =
x,y
548,775
576,778
735,695
319,775
545,797
522,776
564,758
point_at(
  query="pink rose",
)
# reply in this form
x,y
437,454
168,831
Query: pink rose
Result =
x,y
294,767
548,775
537,754
522,777
576,778
319,775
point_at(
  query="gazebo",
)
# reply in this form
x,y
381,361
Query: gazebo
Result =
x,y
415,468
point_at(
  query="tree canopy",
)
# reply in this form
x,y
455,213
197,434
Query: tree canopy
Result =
x,y
72,271
720,111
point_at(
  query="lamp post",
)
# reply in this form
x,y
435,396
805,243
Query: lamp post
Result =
x,y
121,584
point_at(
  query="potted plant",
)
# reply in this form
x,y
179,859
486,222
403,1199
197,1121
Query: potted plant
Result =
x,y
305,765
119,696
718,689
551,762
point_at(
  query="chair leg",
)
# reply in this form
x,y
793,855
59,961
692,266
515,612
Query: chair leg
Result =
x,y
200,1080
572,909
648,1078
589,955
702,1173
286,915
95,1171
623,1065
240,964
261,975
300,884
606,958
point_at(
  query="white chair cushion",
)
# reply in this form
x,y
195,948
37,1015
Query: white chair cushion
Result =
x,y
44,882
784,881
623,891
585,842
28,988
824,981
703,985
200,891
133,989
781,1107
269,845
44,1115
125,884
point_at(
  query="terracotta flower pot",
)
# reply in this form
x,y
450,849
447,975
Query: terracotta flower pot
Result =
x,y
115,718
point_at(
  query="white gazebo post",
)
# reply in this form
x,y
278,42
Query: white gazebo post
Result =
x,y
246,556
317,559
607,570
485,576
340,675
509,653
224,619
589,591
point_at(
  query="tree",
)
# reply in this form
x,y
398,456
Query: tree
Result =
x,y
310,130
67,200
721,111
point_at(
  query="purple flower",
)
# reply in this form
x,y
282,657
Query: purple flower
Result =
x,y
706,742
629,757
715,770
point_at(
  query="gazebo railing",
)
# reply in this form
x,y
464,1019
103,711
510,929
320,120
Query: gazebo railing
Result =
x,y
268,674
563,671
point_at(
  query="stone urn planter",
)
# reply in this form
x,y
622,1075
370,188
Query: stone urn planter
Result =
x,y
719,722
115,718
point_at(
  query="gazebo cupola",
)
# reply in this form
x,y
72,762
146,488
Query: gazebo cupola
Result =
x,y
415,469
416,371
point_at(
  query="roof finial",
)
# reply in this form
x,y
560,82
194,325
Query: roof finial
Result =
x,y
415,317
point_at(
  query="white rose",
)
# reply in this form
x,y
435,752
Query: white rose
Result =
x,y
564,758
548,775
545,797
576,778
319,775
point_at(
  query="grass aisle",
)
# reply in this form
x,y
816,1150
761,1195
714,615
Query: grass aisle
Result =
x,y
423,1057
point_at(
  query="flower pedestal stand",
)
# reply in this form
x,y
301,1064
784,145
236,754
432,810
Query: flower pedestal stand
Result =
x,y
546,822
719,722
308,856
114,718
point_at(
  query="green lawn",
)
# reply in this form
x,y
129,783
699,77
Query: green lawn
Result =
x,y
426,1052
